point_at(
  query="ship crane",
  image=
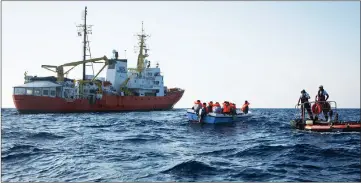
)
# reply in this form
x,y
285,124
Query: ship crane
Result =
x,y
60,69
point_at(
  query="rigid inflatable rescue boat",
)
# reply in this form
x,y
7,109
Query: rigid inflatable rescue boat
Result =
x,y
331,123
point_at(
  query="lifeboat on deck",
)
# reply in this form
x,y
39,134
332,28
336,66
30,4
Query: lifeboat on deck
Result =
x,y
332,124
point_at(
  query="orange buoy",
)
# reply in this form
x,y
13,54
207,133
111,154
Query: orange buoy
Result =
x,y
316,108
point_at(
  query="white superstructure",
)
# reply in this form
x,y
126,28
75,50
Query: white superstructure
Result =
x,y
141,81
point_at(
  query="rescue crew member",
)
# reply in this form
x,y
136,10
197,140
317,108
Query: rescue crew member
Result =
x,y
306,105
197,106
217,108
245,107
210,106
322,97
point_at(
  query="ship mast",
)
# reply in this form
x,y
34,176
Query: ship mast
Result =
x,y
84,41
142,47
84,30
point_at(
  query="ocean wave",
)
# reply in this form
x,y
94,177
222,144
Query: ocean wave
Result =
x,y
164,146
21,151
191,167
44,136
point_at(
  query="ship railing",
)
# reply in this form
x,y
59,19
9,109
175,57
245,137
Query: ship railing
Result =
x,y
327,106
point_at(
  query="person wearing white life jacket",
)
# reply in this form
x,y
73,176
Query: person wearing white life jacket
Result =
x,y
197,106
322,95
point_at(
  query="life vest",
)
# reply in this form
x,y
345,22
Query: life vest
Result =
x,y
244,106
226,108
232,106
321,95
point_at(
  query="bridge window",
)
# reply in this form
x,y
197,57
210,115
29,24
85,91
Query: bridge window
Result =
x,y
45,91
52,92
19,91
29,91
37,91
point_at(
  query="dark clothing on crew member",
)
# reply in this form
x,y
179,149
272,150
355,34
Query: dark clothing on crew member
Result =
x,y
306,105
322,97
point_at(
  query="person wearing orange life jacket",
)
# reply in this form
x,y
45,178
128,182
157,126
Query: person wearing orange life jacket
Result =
x,y
210,106
217,108
197,106
245,107
226,108
232,108
223,105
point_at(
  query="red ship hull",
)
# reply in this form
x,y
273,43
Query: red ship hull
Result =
x,y
108,103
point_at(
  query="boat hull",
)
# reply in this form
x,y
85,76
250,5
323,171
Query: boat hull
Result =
x,y
108,103
347,126
213,118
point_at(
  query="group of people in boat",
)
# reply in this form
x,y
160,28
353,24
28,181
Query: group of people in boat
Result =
x,y
321,97
227,107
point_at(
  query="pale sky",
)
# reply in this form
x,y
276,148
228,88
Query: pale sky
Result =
x,y
263,52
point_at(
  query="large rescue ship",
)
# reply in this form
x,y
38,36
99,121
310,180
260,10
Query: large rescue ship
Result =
x,y
123,89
